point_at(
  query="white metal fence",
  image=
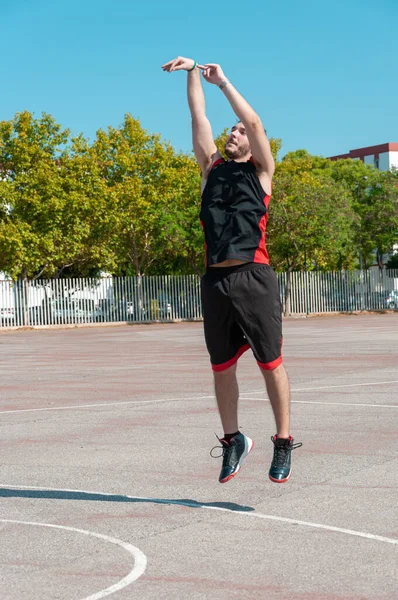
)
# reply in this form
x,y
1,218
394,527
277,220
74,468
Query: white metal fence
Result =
x,y
342,291
168,298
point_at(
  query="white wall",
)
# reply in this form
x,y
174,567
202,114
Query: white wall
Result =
x,y
387,160
394,159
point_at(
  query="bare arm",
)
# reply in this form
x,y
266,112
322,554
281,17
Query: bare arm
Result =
x,y
259,144
203,143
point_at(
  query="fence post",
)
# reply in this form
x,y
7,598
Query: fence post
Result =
x,y
307,312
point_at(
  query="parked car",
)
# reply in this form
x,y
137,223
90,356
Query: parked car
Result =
x,y
159,308
110,310
7,316
104,310
164,307
40,315
340,302
65,310
377,300
134,313
392,299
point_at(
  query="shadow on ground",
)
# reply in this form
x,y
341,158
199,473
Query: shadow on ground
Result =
x,y
96,497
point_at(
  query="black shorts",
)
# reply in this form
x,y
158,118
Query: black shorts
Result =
x,y
241,310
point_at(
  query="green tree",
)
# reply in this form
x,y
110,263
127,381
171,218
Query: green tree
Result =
x,y
184,251
151,186
378,209
30,150
311,221
53,200
87,221
374,200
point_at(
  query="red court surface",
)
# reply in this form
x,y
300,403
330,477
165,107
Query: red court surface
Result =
x,y
107,487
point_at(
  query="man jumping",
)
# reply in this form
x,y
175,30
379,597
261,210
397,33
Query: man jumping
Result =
x,y
240,294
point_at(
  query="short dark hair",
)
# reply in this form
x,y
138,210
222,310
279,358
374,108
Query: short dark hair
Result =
x,y
239,121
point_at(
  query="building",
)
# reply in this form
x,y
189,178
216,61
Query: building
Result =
x,y
383,156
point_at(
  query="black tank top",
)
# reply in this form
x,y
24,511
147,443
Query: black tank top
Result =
x,y
234,213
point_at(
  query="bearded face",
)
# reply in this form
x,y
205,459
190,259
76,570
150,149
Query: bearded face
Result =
x,y
237,145
234,151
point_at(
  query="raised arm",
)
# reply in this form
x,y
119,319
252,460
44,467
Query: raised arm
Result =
x,y
203,143
259,144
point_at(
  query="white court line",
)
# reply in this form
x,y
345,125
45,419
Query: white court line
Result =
x,y
140,560
369,536
328,387
110,404
329,403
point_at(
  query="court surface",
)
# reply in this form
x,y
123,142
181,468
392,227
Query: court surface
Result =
x,y
107,488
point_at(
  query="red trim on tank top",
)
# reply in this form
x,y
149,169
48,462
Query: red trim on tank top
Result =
x,y
217,162
261,254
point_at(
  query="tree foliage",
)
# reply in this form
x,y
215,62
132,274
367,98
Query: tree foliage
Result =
x,y
52,199
128,203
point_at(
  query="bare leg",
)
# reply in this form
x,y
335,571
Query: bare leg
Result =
x,y
278,390
227,394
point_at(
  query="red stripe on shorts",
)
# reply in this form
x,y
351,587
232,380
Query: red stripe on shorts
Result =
x,y
232,361
271,365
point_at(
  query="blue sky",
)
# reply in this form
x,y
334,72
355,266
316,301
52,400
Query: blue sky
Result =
x,y
322,75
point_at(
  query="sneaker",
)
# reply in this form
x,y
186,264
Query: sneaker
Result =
x,y
233,453
280,470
